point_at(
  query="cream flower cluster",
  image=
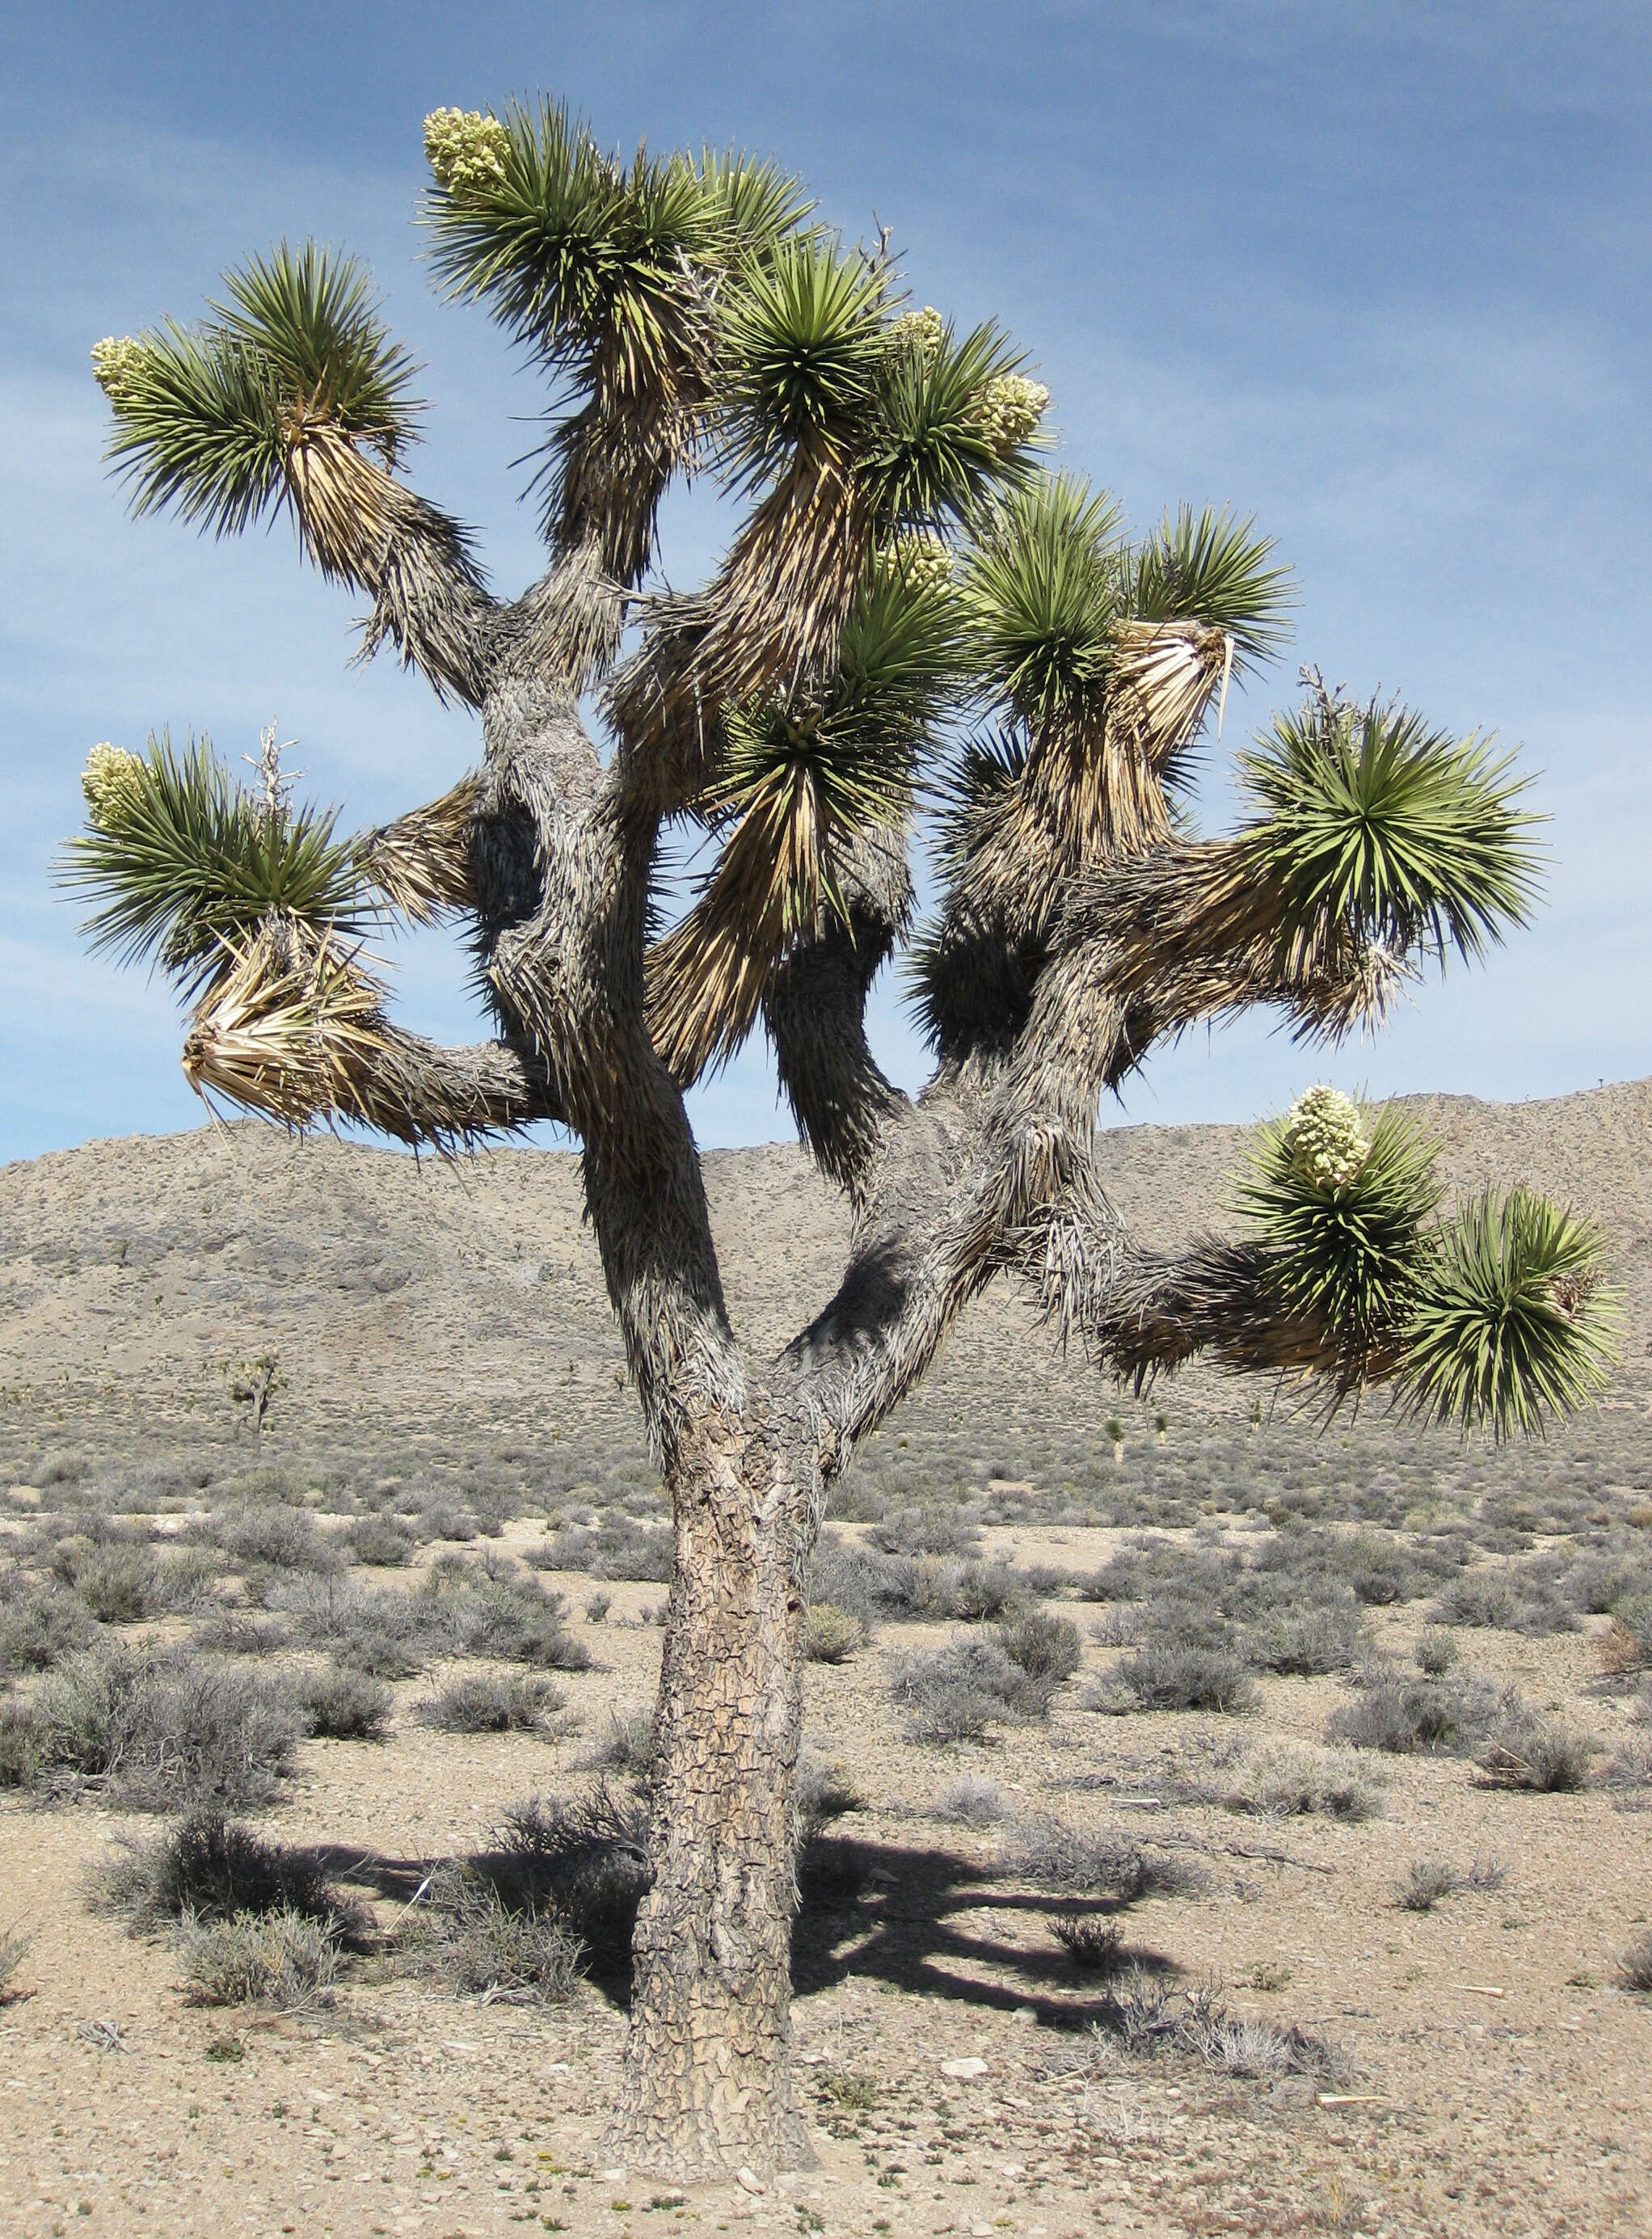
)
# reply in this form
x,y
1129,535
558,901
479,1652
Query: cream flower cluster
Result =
x,y
467,150
109,783
1010,411
924,331
1324,1139
116,362
920,559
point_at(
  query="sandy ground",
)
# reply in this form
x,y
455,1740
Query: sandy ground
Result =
x,y
1502,2085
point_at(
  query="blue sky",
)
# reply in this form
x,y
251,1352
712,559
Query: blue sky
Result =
x,y
1375,273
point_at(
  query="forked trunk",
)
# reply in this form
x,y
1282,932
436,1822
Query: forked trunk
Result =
x,y
708,2065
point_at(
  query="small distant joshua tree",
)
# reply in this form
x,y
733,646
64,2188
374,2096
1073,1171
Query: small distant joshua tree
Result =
x,y
916,627
253,1384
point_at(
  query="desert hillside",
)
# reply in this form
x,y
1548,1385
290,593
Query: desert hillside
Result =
x,y
457,1306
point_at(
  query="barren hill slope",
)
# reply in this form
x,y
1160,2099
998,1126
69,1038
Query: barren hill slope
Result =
x,y
402,1295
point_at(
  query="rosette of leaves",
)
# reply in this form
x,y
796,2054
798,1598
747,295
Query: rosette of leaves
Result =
x,y
1344,1258
293,394
1369,818
185,867
1511,1324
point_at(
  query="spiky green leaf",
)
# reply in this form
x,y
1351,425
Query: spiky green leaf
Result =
x,y
1511,1327
1040,592
802,351
181,862
1211,567
932,454
1347,1258
1407,835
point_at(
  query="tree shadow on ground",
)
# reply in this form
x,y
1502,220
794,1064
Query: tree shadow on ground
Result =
x,y
911,1919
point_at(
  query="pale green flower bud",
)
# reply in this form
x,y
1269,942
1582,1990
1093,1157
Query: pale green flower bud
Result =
x,y
467,151
109,783
923,560
1009,410
116,362
924,331
1324,1139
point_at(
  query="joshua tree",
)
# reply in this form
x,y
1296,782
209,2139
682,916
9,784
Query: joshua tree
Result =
x,y
917,627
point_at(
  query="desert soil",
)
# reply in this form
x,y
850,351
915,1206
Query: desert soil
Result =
x,y
1499,2081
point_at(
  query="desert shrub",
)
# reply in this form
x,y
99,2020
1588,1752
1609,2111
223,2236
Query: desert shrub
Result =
x,y
1438,1718
956,1693
1436,1651
1167,1675
159,1731
824,1791
283,1959
344,1706
852,1577
1096,1946
482,1702
1051,1854
1602,1579
1284,1780
586,1861
239,1632
211,1868
281,1537
1630,1765
39,1628
1635,1968
385,1634
616,1548
380,1540
1521,1753
972,1803
14,1946
626,1745
1628,1646
1429,1882
464,1934
1510,1599
925,1532
831,1634
597,1608
440,1519
119,1586
1045,1647
983,1592
1311,1641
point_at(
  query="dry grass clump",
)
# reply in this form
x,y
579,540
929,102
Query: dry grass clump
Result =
x,y
484,1703
239,1632
1436,1651
832,1635
465,1935
1166,1675
341,1705
970,1803
40,1626
283,1959
152,1730
1430,1881
956,1693
1049,1853
824,1791
1288,1779
211,1868
1628,1646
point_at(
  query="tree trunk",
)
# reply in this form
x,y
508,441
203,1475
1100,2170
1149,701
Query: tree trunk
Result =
x,y
707,2064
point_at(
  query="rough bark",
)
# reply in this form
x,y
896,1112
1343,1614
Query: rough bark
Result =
x,y
708,2086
